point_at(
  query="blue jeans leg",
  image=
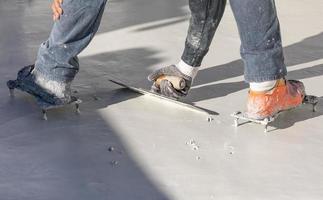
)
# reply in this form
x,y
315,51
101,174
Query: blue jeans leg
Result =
x,y
57,63
261,46
205,18
57,57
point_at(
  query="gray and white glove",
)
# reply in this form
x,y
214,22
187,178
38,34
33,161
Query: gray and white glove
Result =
x,y
165,87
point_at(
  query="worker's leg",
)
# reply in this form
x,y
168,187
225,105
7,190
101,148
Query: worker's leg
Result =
x,y
57,64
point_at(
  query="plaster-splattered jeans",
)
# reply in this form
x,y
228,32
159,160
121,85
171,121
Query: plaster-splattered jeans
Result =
x,y
259,30
57,63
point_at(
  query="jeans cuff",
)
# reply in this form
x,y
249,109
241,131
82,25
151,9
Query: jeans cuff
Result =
x,y
193,56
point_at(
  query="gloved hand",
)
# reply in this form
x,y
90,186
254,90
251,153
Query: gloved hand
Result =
x,y
165,87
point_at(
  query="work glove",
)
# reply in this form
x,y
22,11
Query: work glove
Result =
x,y
165,87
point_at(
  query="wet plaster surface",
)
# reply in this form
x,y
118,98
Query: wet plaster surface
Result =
x,y
127,146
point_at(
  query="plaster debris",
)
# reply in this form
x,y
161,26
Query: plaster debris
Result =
x,y
228,148
111,149
114,163
193,144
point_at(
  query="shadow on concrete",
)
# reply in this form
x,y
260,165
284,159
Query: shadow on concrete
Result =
x,y
303,113
69,156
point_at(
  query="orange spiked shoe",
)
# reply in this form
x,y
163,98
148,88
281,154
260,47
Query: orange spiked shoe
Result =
x,y
286,94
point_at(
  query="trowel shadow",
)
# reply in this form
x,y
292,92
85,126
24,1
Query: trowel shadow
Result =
x,y
68,157
129,66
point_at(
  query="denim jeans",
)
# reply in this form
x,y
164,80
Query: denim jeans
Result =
x,y
261,47
57,57
49,79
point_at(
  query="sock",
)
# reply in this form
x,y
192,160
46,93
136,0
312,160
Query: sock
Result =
x,y
187,69
262,86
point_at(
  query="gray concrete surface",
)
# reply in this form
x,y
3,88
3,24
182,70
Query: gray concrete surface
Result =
x,y
125,146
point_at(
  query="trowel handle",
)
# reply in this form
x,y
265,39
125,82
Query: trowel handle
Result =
x,y
177,82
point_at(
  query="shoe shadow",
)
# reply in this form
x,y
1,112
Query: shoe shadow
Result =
x,y
302,113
